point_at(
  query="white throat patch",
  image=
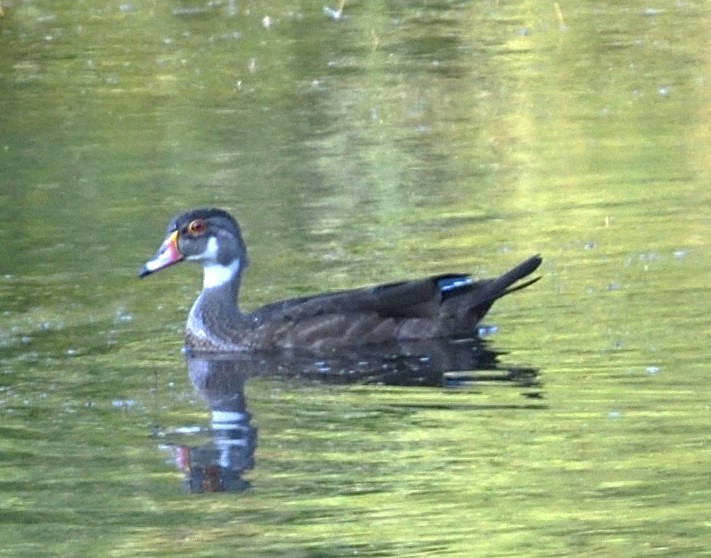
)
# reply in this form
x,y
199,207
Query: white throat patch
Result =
x,y
216,275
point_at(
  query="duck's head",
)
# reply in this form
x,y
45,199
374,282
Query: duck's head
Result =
x,y
207,236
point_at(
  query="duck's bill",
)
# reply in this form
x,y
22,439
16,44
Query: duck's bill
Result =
x,y
167,255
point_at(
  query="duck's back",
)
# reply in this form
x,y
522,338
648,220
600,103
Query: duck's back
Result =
x,y
439,306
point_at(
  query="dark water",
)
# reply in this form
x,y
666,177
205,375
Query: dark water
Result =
x,y
400,140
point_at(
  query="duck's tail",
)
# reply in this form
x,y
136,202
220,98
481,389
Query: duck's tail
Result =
x,y
504,284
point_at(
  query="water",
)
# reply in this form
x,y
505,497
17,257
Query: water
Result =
x,y
397,141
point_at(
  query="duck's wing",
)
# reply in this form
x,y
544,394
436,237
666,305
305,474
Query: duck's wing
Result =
x,y
421,298
418,298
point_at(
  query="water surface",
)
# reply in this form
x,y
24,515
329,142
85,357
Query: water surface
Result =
x,y
400,140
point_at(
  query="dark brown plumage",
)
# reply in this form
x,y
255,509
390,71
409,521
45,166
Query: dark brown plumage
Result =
x,y
434,307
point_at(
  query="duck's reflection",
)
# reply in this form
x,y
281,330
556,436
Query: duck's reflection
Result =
x,y
219,463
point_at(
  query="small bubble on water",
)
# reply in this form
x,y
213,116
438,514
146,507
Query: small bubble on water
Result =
x,y
188,430
123,403
486,331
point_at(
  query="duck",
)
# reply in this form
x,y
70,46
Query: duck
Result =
x,y
440,306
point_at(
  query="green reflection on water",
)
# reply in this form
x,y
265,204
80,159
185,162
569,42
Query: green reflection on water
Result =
x,y
404,140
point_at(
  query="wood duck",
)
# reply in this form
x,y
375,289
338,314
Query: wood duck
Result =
x,y
440,306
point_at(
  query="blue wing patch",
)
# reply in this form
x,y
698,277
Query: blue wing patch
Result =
x,y
450,283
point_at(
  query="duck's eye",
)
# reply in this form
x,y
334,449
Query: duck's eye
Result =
x,y
197,226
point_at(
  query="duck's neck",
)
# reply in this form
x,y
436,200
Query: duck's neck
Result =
x,y
215,313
